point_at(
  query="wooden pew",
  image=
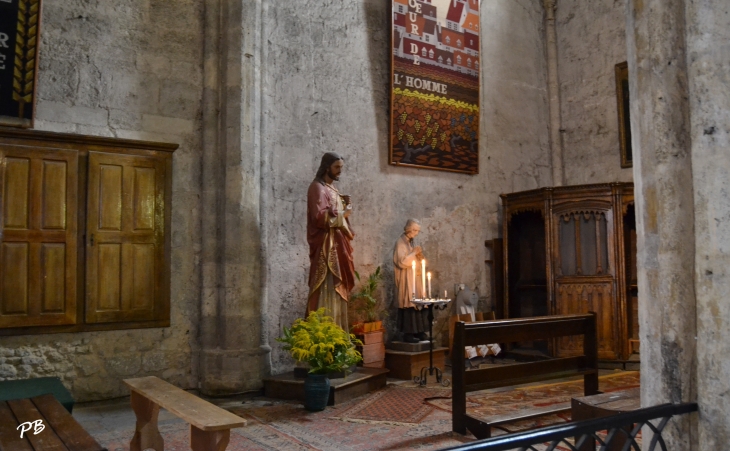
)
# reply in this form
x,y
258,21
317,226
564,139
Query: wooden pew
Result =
x,y
517,330
210,426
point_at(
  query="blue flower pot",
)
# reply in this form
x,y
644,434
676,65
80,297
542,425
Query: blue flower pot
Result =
x,y
316,392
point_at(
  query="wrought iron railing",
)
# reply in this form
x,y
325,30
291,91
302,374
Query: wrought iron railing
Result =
x,y
603,433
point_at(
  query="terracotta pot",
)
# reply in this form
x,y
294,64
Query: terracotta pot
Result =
x,y
358,328
373,326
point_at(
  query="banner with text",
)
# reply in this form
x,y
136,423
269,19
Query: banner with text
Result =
x,y
19,25
434,119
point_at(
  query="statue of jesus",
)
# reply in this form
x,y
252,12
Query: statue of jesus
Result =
x,y
331,272
412,322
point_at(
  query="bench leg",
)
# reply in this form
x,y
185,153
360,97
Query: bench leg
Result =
x,y
146,434
209,440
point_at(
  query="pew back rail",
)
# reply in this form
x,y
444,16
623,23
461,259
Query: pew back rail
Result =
x,y
519,330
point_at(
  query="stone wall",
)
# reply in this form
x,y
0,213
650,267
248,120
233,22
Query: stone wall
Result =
x,y
591,41
325,88
130,69
708,49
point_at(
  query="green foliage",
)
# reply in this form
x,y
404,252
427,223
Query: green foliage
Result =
x,y
365,302
320,342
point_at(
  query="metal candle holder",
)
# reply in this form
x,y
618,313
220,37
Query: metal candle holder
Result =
x,y
431,304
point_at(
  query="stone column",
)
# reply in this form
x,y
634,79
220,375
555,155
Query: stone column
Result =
x,y
556,139
708,56
230,324
660,125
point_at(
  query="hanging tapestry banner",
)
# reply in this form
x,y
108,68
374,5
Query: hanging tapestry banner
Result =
x,y
19,25
434,95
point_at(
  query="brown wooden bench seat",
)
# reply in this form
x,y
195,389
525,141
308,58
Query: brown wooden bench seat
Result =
x,y
518,330
59,431
210,426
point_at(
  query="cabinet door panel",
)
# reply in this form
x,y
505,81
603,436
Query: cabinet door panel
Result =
x,y
15,278
109,270
144,199
110,197
17,193
53,277
54,195
143,265
582,297
39,257
125,212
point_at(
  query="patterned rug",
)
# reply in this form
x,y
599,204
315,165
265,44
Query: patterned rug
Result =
x,y
286,426
394,405
489,403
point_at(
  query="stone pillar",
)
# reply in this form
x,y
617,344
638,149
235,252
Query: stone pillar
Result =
x,y
660,125
556,139
230,324
708,56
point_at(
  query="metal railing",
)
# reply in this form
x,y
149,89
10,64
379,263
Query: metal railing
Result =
x,y
621,430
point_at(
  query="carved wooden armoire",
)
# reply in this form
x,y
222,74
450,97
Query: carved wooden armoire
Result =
x,y
571,250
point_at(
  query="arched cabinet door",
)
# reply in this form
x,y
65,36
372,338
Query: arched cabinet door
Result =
x,y
585,272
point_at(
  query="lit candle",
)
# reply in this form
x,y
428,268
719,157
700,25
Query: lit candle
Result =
x,y
414,278
423,277
429,285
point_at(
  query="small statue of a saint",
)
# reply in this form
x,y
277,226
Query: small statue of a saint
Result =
x,y
331,272
413,323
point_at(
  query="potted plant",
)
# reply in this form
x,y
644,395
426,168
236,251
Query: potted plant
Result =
x,y
326,347
369,308
367,305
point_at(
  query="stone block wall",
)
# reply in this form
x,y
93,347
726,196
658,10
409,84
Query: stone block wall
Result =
x,y
128,69
326,83
591,41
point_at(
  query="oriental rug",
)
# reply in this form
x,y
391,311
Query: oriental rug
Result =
x,y
286,426
394,405
492,402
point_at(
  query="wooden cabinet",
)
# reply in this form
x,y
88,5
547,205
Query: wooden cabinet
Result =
x,y
85,232
565,252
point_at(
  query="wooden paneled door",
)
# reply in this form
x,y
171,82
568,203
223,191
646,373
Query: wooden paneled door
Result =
x,y
585,273
125,238
38,254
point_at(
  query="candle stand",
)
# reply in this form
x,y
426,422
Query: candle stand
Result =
x,y
431,304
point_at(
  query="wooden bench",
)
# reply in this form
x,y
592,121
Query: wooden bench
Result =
x,y
210,426
518,330
59,431
604,405
29,388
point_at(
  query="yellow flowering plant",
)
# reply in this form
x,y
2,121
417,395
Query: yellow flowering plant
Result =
x,y
320,342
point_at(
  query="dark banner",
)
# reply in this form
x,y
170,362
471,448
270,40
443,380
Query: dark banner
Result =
x,y
434,119
19,25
